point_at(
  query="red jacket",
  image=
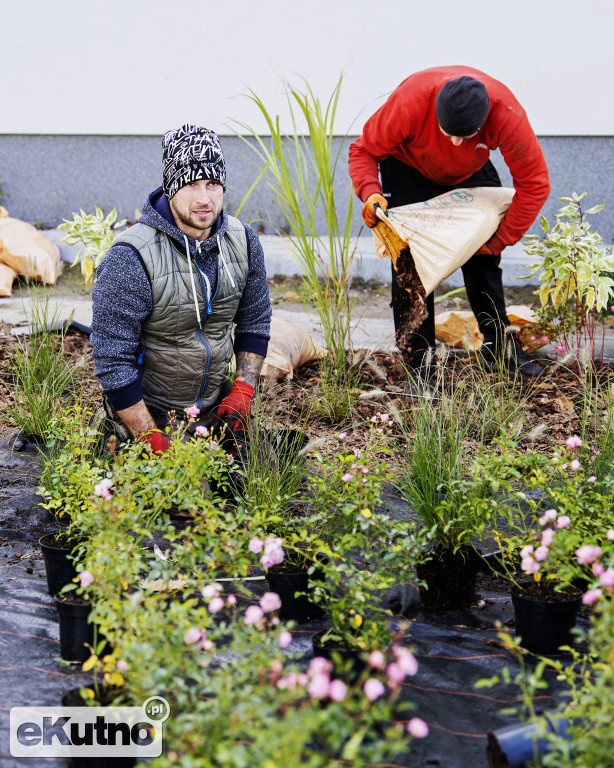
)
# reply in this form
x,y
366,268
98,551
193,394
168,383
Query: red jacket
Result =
x,y
406,127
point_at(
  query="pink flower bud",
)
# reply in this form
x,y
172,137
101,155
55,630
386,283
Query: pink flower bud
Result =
x,y
270,601
418,728
541,553
320,666
377,660
254,614
86,578
587,553
192,635
210,591
373,689
216,605
606,579
319,686
590,597
255,544
231,600
337,690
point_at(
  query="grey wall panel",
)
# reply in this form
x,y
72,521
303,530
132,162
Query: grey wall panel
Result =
x,y
44,178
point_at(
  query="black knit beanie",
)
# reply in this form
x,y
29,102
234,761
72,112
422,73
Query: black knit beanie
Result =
x,y
191,153
462,105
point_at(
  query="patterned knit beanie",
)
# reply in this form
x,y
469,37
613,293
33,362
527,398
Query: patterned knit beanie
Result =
x,y
191,153
462,105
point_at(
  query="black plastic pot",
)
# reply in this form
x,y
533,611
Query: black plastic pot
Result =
x,y
449,578
349,663
298,608
75,629
74,699
517,746
545,625
59,569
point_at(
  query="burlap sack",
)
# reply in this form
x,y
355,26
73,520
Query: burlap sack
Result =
x,y
442,233
289,348
27,251
7,278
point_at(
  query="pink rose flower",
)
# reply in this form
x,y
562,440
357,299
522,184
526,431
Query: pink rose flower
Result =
x,y
255,544
192,411
575,465
201,431
590,597
541,553
192,635
587,553
563,521
216,605
347,477
377,660
231,600
254,614
526,551
418,728
121,665
395,674
320,666
597,569
573,442
550,514
547,537
210,591
373,689
337,690
285,638
270,601
407,661
610,534
606,579
342,435
102,489
319,686
86,578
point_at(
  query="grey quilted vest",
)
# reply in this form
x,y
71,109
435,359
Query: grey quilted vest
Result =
x,y
181,364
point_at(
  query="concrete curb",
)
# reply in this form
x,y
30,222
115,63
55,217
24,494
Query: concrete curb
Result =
x,y
367,265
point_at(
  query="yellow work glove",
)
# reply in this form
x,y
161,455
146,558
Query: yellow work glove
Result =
x,y
368,209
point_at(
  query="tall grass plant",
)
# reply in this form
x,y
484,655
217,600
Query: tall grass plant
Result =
x,y
300,169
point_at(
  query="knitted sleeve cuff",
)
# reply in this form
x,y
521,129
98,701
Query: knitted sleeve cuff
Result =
x,y
250,342
124,397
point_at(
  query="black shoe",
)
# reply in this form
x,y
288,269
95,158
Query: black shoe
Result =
x,y
507,354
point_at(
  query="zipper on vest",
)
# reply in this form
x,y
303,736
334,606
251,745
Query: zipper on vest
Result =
x,y
205,344
139,361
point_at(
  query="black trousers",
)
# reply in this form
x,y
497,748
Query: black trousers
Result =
x,y
402,184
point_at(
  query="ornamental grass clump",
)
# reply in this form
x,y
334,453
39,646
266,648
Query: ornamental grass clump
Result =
x,y
300,169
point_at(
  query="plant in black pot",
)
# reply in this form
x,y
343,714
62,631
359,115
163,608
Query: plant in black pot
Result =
x,y
438,481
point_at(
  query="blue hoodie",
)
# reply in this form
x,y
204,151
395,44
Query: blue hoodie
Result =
x,y
122,300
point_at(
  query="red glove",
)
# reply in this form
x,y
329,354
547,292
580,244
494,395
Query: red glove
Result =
x,y
158,442
235,407
368,209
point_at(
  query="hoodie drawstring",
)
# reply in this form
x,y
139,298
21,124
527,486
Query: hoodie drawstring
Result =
x,y
219,246
194,294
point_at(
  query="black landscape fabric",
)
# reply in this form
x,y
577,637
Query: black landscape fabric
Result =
x,y
454,650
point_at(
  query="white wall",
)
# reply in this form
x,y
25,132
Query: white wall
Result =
x,y
143,66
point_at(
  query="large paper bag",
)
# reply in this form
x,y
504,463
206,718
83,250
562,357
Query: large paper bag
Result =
x,y
444,232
